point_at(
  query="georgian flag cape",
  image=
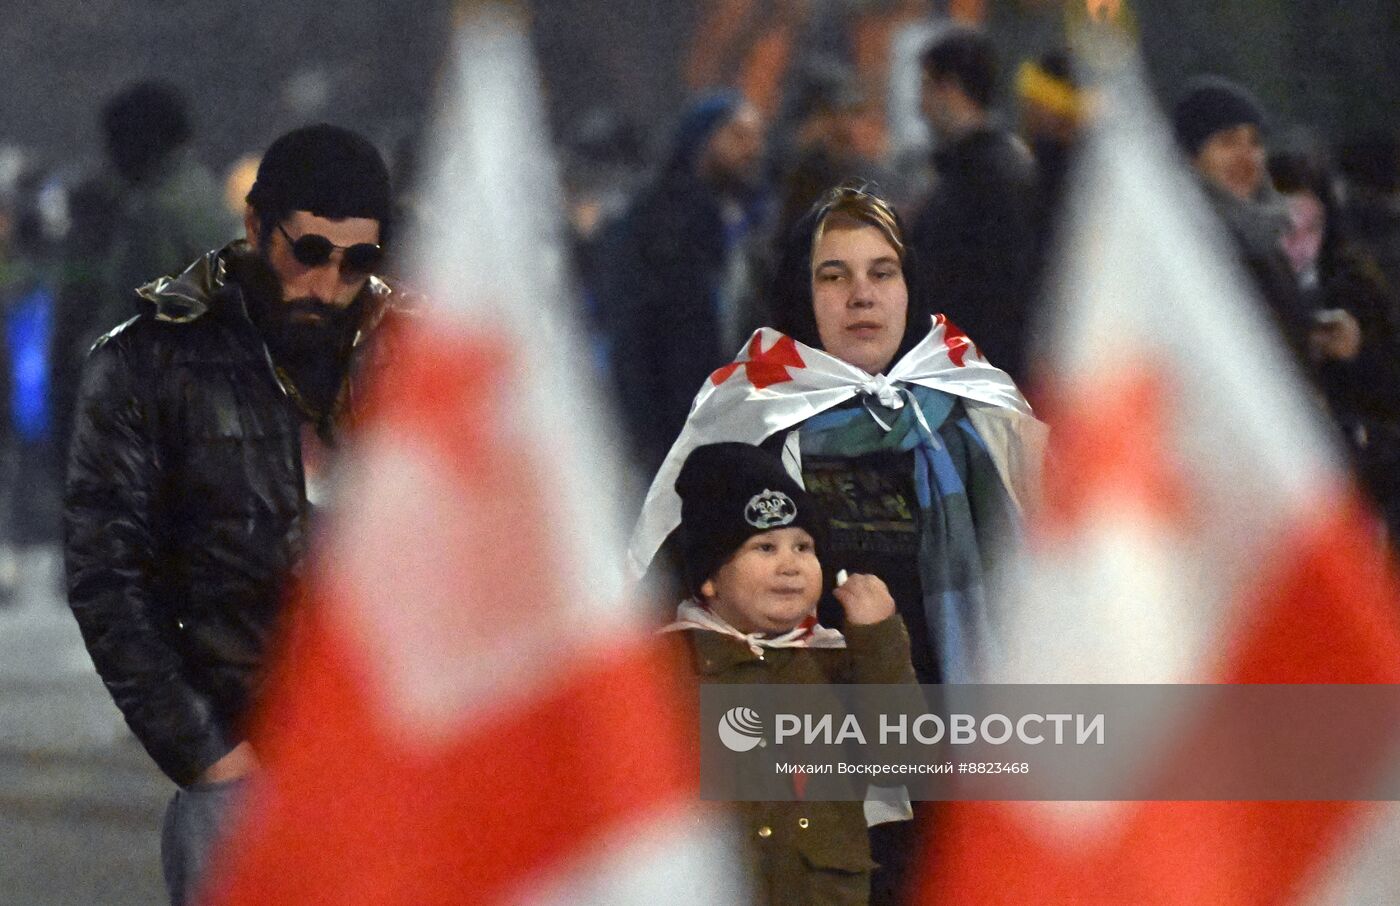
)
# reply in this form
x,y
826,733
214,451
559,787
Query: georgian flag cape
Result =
x,y
777,382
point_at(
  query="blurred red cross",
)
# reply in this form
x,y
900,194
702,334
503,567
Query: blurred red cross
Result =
x,y
1114,451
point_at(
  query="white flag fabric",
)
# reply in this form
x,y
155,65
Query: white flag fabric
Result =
x,y
470,709
1196,527
776,382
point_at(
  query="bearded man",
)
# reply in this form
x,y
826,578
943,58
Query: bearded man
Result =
x,y
190,486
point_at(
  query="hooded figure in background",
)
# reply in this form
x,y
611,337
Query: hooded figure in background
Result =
x,y
677,298
976,233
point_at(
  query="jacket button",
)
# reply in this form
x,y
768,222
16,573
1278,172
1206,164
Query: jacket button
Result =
x,y
803,823
765,832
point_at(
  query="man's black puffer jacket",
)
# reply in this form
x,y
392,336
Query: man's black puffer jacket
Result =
x,y
185,512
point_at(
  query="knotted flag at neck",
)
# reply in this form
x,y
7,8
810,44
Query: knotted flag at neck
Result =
x,y
776,382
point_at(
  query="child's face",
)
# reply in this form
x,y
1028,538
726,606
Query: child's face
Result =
x,y
770,584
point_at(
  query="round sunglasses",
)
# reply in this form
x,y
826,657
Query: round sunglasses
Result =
x,y
314,250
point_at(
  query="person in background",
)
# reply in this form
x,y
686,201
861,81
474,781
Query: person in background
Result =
x,y
974,237
30,238
1054,110
170,210
676,297
83,292
192,471
1370,210
823,149
603,161
150,212
1355,344
1219,126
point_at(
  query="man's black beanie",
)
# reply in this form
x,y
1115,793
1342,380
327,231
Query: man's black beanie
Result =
x,y
1211,104
329,171
730,492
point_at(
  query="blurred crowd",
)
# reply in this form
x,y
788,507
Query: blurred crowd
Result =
x,y
676,259
673,249
72,251
840,172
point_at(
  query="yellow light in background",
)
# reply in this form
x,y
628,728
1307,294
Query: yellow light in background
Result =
x,y
238,182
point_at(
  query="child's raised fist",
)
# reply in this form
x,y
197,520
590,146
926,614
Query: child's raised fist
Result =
x,y
865,599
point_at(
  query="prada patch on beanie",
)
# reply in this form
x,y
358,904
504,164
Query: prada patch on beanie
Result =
x,y
1208,105
730,492
326,170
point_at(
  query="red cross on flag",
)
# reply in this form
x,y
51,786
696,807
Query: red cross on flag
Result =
x,y
1196,527
764,367
470,709
785,382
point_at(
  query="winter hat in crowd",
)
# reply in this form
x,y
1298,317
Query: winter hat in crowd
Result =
x,y
329,171
730,492
143,123
1050,84
700,121
1211,104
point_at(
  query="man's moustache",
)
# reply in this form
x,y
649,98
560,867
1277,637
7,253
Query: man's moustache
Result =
x,y
309,310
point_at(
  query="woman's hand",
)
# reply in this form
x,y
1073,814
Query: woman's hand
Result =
x,y
865,599
1336,336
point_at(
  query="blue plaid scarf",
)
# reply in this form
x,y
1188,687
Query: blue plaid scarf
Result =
x,y
965,513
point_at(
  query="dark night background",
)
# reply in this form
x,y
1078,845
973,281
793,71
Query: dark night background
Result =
x,y
257,68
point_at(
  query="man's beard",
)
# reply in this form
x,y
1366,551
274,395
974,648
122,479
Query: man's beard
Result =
x,y
306,337
304,331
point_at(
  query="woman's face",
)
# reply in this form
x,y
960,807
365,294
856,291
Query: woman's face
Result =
x,y
1307,226
858,295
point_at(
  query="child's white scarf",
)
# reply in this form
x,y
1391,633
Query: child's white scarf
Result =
x,y
691,614
882,804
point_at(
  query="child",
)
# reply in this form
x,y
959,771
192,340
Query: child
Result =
x,y
751,541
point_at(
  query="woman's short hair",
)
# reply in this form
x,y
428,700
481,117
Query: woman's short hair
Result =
x,y
790,293
854,203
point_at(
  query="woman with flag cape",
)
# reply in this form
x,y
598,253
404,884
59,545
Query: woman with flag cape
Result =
x,y
920,450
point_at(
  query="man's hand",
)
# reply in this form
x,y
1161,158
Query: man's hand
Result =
x,y
865,599
240,762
